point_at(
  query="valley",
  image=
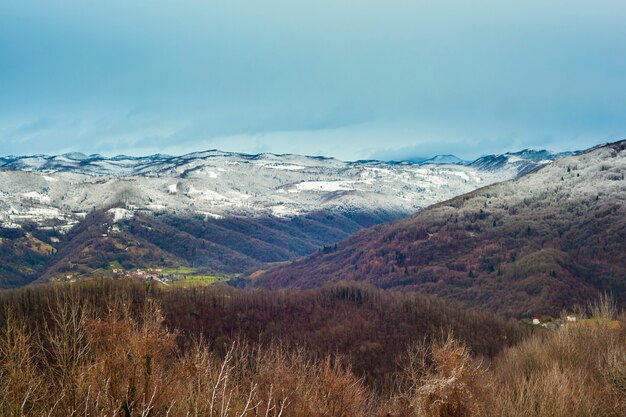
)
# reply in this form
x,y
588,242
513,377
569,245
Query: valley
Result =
x,y
312,208
223,212
495,288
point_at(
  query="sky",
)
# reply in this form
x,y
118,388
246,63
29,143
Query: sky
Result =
x,y
367,79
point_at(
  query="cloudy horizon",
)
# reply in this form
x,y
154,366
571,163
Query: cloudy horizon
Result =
x,y
378,80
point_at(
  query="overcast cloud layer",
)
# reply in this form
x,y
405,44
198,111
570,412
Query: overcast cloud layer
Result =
x,y
389,79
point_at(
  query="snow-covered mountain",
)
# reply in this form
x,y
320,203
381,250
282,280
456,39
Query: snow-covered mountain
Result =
x,y
550,240
444,159
58,191
523,161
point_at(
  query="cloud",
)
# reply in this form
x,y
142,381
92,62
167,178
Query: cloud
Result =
x,y
424,78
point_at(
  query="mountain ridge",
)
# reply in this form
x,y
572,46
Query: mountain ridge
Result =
x,y
531,245
245,210
57,191
44,162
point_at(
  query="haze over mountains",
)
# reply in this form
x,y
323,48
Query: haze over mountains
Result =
x,y
71,214
548,240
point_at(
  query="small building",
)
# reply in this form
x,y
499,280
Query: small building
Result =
x,y
571,319
536,322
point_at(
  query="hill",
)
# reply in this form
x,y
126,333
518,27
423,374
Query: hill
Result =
x,y
534,245
232,245
56,192
72,215
108,240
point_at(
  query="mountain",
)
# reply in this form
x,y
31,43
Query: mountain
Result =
x,y
521,162
226,212
231,246
444,159
533,245
58,191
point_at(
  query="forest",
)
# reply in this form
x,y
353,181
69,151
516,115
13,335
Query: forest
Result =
x,y
126,348
232,245
536,245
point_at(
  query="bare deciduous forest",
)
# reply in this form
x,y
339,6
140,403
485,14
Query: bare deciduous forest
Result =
x,y
107,348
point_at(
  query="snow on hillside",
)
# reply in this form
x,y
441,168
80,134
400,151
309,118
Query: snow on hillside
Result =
x,y
521,162
57,191
595,174
543,242
444,159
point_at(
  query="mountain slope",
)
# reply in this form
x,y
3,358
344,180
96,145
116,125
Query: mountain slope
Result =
x,y
218,246
533,245
521,162
225,212
22,256
58,191
443,159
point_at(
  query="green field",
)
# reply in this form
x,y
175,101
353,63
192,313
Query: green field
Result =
x,y
185,276
115,265
193,280
181,270
179,276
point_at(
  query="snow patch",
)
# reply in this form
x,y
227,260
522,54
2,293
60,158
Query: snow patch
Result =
x,y
119,214
284,211
327,186
461,174
286,167
211,174
209,195
209,215
156,207
34,195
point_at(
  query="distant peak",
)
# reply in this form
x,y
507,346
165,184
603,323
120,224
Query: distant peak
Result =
x,y
75,156
443,159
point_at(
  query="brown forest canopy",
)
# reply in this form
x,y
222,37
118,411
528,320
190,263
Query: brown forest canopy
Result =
x,y
370,326
106,348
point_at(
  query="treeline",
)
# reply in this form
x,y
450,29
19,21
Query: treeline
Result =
x,y
111,349
369,326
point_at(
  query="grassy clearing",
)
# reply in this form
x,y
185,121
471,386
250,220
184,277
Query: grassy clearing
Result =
x,y
193,280
115,265
181,270
182,276
187,277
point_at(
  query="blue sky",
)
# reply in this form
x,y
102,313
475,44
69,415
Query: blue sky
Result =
x,y
387,79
